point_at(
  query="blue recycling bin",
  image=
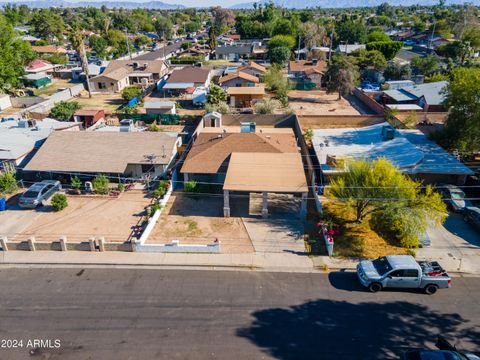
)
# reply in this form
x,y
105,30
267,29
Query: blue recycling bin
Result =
x,y
3,204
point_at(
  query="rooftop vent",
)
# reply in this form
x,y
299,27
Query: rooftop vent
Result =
x,y
388,133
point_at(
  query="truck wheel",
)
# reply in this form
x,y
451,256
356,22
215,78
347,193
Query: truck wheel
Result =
x,y
431,289
375,287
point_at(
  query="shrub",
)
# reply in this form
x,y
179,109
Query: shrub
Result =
x,y
8,183
121,187
76,183
130,92
59,202
221,107
63,111
267,107
190,186
153,209
100,184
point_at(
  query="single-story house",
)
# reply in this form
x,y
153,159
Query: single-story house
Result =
x,y
118,154
307,70
160,107
246,159
49,49
20,138
122,73
88,117
409,150
238,79
252,68
349,48
429,96
245,96
37,80
186,79
39,66
233,52
93,70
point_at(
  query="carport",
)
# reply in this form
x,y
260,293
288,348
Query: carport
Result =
x,y
266,173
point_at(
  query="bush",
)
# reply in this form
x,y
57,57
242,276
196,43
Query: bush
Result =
x,y
76,183
121,187
100,184
153,209
8,183
190,186
221,107
63,111
267,107
59,202
130,92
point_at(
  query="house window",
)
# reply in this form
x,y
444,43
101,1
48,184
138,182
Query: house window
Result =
x,y
147,168
101,85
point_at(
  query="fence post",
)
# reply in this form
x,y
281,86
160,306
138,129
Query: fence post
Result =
x,y
63,243
101,244
31,243
91,242
3,243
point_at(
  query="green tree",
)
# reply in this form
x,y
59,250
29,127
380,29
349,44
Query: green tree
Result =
x,y
15,54
342,75
370,59
389,49
59,202
141,41
99,45
425,65
378,36
77,40
395,71
281,41
164,27
100,184
216,95
351,32
462,128
398,206
64,110
130,92
8,183
48,25
280,55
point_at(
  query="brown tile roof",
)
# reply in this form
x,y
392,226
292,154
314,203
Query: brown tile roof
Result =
x,y
238,74
307,67
232,36
272,172
189,74
100,152
118,69
87,112
49,49
211,150
253,65
117,74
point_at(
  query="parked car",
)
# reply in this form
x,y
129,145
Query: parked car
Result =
x,y
471,215
446,352
38,192
402,271
454,197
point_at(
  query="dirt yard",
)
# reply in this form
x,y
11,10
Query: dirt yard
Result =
x,y
88,216
318,102
186,106
195,220
108,102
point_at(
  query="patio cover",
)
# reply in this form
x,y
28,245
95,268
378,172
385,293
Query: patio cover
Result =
x,y
178,85
266,172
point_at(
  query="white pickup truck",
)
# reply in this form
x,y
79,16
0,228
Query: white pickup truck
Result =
x,y
402,271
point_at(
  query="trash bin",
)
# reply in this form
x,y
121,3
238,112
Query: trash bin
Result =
x,y
3,204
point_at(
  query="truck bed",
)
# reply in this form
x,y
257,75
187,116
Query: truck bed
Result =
x,y
432,269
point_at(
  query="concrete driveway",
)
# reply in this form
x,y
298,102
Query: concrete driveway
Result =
x,y
14,220
456,242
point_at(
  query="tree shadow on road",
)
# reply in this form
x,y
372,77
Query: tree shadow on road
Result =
x,y
337,330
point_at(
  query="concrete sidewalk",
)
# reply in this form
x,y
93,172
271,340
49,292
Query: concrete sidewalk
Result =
x,y
274,262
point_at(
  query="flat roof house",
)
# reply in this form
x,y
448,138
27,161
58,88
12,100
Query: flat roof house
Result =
x,y
409,150
122,73
122,154
246,159
429,96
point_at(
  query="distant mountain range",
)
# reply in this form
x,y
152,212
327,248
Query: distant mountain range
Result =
x,y
302,4
109,4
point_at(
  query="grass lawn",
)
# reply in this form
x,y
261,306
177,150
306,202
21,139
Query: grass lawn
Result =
x,y
53,87
358,240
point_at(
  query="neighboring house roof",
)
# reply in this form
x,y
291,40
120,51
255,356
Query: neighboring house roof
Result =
x,y
349,48
119,69
271,172
159,104
39,65
232,36
410,150
179,85
35,76
307,67
432,92
101,152
211,150
49,49
253,65
246,90
238,74
87,112
189,74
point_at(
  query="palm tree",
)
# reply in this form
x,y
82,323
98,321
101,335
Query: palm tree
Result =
x,y
78,42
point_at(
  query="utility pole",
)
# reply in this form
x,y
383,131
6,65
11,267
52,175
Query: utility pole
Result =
x,y
330,50
84,62
128,45
431,37
298,51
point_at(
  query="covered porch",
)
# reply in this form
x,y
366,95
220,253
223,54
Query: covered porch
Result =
x,y
264,173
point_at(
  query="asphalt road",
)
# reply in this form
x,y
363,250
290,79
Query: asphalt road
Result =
x,y
170,314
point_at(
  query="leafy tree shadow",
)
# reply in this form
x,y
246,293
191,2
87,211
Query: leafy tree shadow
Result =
x,y
328,329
